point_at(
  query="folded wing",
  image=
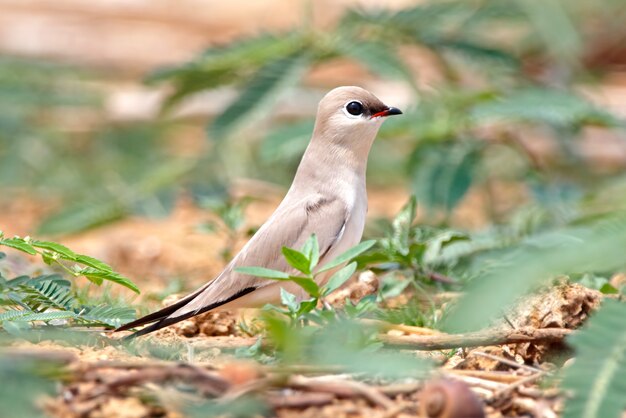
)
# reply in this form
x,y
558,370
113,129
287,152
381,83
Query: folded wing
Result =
x,y
290,226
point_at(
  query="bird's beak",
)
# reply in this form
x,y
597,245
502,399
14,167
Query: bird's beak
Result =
x,y
387,112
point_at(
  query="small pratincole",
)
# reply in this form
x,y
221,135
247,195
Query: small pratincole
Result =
x,y
327,198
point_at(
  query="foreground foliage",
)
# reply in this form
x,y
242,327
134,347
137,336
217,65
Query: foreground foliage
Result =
x,y
596,381
53,299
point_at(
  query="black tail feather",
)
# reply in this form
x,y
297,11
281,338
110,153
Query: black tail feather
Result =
x,y
162,318
162,313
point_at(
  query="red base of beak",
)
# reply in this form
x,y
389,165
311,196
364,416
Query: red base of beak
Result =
x,y
387,112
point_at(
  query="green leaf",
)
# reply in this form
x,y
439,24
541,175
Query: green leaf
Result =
x,y
95,279
307,306
436,244
339,278
289,300
65,252
19,244
348,255
608,289
16,281
307,284
260,94
263,272
92,262
596,378
311,250
297,260
98,275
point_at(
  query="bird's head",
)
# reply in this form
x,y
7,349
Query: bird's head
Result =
x,y
351,112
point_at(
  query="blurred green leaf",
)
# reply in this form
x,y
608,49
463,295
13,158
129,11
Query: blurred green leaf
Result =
x,y
439,242
555,107
224,65
81,216
259,95
474,51
92,262
378,57
307,284
401,226
339,278
442,175
23,384
111,276
286,142
289,300
596,378
573,250
18,244
65,252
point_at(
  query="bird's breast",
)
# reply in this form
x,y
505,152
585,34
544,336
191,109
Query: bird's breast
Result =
x,y
353,229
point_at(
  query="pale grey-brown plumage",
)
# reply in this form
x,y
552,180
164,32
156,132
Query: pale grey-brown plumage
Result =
x,y
327,198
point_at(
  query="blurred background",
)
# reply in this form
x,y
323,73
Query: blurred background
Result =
x,y
157,135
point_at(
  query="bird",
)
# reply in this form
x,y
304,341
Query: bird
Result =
x,y
327,198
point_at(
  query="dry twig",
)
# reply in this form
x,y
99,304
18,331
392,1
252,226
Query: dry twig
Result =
x,y
506,361
386,326
476,339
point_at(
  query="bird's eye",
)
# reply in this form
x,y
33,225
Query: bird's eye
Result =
x,y
354,108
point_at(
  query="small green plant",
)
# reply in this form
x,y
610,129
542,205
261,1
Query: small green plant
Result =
x,y
414,250
302,331
53,253
306,263
51,298
230,221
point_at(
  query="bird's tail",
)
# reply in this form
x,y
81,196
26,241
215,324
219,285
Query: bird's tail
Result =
x,y
179,311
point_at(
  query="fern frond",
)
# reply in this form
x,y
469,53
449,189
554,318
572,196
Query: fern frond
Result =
x,y
13,314
47,316
44,295
108,315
